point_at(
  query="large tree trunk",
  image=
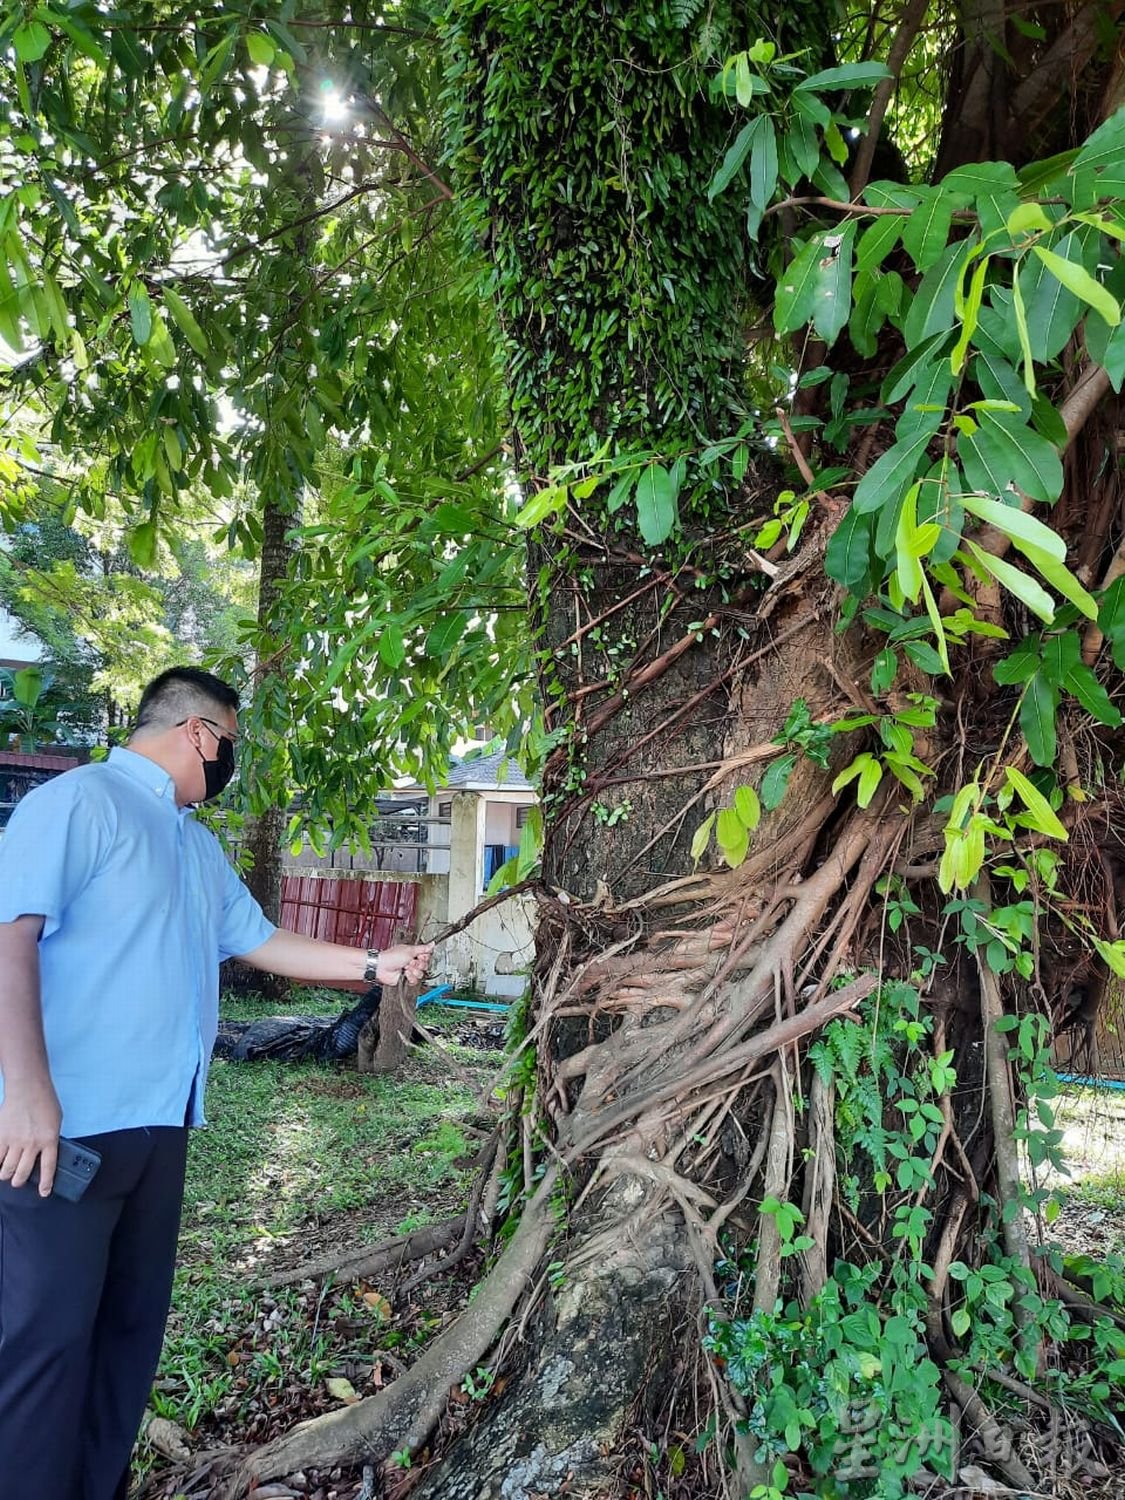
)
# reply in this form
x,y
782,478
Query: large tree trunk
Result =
x,y
264,831
672,997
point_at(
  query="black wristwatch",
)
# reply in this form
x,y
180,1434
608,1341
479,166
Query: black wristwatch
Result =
x,y
370,974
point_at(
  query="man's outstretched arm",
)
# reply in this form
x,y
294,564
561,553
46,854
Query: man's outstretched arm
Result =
x,y
30,1114
298,957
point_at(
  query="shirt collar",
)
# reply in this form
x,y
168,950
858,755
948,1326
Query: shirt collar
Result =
x,y
146,771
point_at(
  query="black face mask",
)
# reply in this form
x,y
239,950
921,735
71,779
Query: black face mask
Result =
x,y
218,772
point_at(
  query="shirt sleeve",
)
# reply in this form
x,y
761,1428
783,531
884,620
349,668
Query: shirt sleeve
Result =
x,y
244,925
57,838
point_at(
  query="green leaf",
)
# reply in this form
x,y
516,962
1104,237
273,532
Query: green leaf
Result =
x,y
702,837
260,49
547,502
657,509
1017,524
1061,579
1052,309
933,308
877,242
911,368
732,161
1081,683
1026,589
142,544
763,162
884,670
444,635
847,76
832,301
184,319
1040,816
747,806
969,315
847,559
1113,359
732,837
1005,452
31,41
775,781
140,313
925,232
891,474
1037,719
392,648
1079,281
797,287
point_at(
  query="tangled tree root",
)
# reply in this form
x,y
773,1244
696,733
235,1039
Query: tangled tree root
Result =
x,y
404,1414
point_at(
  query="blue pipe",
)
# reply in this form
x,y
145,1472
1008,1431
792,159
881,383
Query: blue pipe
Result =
x,y
1115,1084
434,997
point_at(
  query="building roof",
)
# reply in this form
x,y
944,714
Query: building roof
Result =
x,y
483,773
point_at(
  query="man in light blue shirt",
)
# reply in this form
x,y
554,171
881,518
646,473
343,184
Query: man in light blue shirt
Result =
x,y
116,909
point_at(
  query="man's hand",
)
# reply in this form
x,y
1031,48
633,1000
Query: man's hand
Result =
x,y
404,962
29,1132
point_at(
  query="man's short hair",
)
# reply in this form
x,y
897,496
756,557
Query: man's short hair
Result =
x,y
179,693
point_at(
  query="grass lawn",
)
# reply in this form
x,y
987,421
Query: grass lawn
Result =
x,y
299,1159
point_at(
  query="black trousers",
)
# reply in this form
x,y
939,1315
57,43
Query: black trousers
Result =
x,y
84,1294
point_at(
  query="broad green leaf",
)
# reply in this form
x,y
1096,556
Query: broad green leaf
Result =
x,y
732,836
549,500
846,76
797,287
1026,589
993,189
1107,144
737,153
140,313
747,806
925,232
932,310
260,49
1040,815
1079,281
142,544
803,146
890,475
657,509
31,41
763,162
1019,665
877,242
1017,524
910,369
1052,309
1061,579
847,559
1113,360
1004,453
702,837
832,302
621,491
444,635
184,319
1081,683
392,647
1028,218
1037,719
775,781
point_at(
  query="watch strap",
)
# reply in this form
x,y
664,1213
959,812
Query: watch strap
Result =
x,y
370,974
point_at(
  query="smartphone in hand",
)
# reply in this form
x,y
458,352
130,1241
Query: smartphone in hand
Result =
x,y
74,1171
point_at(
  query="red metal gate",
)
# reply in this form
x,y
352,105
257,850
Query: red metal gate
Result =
x,y
359,913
